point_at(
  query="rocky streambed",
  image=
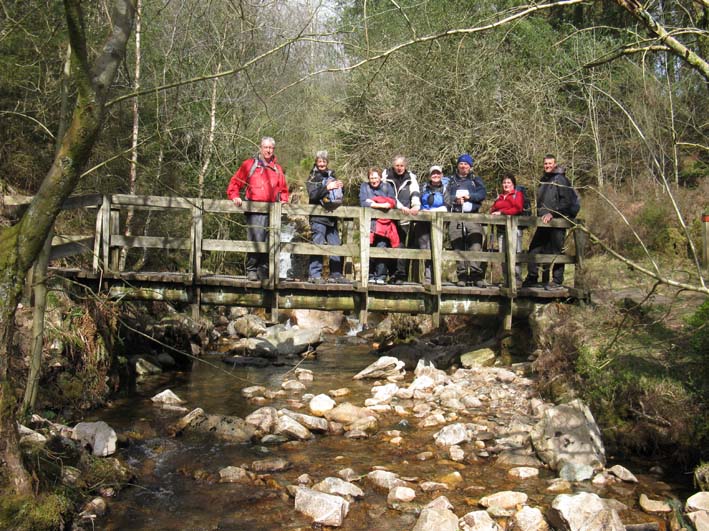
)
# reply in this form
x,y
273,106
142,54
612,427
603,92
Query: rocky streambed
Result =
x,y
355,442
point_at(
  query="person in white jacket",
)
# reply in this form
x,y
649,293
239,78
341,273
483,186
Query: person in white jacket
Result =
x,y
408,200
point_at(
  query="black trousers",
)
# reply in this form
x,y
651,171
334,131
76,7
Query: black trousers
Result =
x,y
547,240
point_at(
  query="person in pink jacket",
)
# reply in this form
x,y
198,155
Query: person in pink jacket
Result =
x,y
262,179
509,203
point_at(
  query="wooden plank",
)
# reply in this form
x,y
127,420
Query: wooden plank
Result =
x,y
510,255
151,277
114,231
526,258
62,239
437,228
161,202
580,243
234,246
196,248
158,293
314,249
150,242
221,206
389,252
82,201
105,231
72,248
477,256
97,237
365,225
317,210
274,243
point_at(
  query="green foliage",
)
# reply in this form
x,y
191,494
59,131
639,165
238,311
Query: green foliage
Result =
x,y
698,324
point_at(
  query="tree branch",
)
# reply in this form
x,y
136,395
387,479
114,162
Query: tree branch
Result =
x,y
698,63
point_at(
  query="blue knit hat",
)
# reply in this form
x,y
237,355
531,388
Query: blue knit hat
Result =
x,y
465,158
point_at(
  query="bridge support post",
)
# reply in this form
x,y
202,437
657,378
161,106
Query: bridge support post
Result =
x,y
580,242
115,228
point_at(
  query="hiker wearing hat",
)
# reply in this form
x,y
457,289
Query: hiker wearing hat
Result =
x,y
467,193
435,197
408,200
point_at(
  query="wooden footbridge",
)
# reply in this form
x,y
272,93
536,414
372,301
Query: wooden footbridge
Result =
x,y
199,234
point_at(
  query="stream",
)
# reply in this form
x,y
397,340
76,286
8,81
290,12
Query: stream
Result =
x,y
178,488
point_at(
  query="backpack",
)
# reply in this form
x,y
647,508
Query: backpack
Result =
x,y
527,207
334,197
575,204
432,198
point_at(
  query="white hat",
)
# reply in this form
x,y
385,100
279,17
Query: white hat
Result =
x,y
435,168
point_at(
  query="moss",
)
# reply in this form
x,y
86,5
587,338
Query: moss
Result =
x,y
44,512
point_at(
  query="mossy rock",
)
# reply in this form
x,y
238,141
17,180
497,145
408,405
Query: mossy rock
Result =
x,y
48,511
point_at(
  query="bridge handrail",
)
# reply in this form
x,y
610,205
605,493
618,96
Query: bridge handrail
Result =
x,y
108,238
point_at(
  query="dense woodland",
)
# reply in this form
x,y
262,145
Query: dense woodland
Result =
x,y
616,90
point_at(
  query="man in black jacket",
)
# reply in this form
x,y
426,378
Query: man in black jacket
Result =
x,y
554,200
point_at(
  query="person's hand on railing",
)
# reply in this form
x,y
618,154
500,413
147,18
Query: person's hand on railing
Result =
x,y
237,201
546,218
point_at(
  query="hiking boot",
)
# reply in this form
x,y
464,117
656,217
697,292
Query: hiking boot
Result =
x,y
553,286
252,276
316,280
481,283
531,283
379,281
460,283
262,273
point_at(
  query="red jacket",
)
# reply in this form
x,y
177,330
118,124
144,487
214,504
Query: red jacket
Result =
x,y
267,184
386,229
510,204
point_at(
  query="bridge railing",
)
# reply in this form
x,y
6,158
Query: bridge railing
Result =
x,y
109,237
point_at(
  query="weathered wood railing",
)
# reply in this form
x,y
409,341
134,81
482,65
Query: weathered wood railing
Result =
x,y
109,238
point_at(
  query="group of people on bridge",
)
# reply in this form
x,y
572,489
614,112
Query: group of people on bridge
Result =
x,y
262,179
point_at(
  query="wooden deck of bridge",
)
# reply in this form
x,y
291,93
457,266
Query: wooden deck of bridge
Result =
x,y
198,286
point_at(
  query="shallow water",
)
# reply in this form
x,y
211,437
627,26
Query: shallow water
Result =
x,y
177,489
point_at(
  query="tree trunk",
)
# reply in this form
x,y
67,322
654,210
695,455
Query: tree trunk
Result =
x,y
21,244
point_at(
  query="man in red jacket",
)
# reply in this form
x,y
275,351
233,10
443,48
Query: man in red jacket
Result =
x,y
263,181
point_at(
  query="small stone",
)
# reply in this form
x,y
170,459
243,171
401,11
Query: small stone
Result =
x,y
559,485
456,453
304,375
339,487
507,499
342,391
400,494
234,474
523,472
348,474
167,397
292,385
273,464
623,473
254,390
430,486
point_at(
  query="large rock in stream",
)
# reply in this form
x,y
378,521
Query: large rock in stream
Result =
x,y
323,508
97,435
568,433
583,512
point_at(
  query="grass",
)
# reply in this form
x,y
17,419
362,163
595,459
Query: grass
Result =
x,y
637,356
